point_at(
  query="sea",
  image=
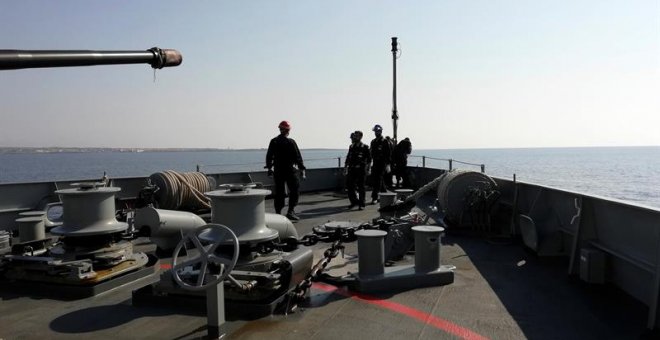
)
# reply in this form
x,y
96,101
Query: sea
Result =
x,y
626,173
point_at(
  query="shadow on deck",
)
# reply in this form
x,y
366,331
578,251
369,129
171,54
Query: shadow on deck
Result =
x,y
541,298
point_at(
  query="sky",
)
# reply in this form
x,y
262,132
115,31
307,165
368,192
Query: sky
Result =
x,y
472,74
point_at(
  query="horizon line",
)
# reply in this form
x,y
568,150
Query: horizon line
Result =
x,y
312,148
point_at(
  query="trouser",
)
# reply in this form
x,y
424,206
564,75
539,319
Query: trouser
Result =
x,y
291,180
401,174
377,184
387,178
355,186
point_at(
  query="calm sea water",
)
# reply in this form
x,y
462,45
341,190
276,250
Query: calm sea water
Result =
x,y
627,173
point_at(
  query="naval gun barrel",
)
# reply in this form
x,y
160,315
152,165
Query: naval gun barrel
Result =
x,y
18,59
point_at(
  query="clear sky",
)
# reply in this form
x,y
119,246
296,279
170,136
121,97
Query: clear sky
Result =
x,y
473,74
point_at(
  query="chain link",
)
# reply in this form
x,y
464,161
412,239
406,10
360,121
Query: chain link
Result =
x,y
346,235
298,294
309,240
337,237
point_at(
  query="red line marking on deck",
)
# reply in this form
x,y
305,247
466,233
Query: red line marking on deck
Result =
x,y
442,324
165,266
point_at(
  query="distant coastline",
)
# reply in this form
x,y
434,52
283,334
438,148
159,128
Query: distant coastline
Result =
x,y
55,149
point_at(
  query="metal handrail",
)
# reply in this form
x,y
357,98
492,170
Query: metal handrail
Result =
x,y
424,158
466,163
230,164
199,166
450,161
427,157
321,159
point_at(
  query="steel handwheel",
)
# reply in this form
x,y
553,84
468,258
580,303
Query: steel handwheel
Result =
x,y
206,255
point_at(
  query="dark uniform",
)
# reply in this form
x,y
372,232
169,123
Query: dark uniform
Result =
x,y
381,155
400,161
283,154
357,161
387,177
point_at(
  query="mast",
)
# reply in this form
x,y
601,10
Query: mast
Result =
x,y
395,112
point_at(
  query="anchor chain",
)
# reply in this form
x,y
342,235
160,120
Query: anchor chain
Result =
x,y
343,234
338,237
297,294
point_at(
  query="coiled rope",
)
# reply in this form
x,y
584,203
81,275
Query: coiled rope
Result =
x,y
181,190
411,200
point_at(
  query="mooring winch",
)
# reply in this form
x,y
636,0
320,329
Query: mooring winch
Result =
x,y
243,209
234,206
263,273
91,251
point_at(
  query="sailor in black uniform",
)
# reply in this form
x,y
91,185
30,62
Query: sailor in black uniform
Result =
x,y
381,154
356,169
284,155
400,160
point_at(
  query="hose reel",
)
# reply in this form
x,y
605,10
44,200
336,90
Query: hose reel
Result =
x,y
466,198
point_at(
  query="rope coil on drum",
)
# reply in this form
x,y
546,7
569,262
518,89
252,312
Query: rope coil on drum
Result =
x,y
182,190
462,191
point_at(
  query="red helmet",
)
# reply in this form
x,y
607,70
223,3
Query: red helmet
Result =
x,y
284,125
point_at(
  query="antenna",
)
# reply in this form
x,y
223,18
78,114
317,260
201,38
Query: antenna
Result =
x,y
395,112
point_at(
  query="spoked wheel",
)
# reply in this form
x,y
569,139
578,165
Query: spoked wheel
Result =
x,y
206,255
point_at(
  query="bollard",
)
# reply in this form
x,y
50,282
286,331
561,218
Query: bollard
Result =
x,y
371,252
31,229
402,194
386,198
427,247
450,164
339,162
423,161
483,168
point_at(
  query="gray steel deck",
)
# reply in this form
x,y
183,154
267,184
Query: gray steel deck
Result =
x,y
500,292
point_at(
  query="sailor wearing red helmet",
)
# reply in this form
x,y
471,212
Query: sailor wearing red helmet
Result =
x,y
284,156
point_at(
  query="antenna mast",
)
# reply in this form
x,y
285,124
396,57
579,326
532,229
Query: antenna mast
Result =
x,y
395,112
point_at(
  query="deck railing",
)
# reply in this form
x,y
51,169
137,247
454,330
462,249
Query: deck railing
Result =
x,y
255,165
450,161
259,165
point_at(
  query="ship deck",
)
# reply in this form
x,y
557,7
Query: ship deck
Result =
x,y
500,291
